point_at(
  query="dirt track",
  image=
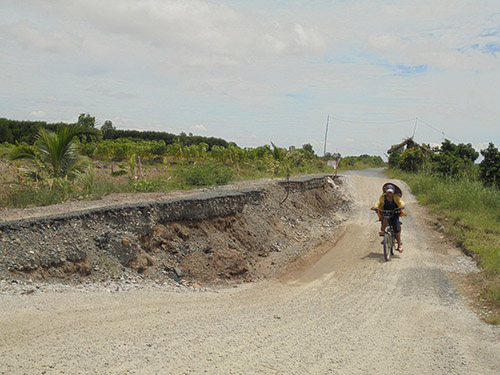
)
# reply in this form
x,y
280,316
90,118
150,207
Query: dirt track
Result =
x,y
348,312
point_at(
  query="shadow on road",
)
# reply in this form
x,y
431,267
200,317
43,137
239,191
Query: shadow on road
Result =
x,y
378,256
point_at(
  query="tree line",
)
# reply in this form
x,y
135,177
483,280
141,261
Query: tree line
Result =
x,y
451,160
15,131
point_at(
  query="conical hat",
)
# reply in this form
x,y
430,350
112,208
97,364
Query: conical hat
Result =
x,y
397,190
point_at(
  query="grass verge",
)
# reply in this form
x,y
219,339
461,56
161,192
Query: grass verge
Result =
x,y
157,178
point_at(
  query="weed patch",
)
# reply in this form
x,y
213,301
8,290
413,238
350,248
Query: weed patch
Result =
x,y
204,174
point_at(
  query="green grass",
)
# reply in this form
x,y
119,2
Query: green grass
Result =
x,y
5,148
178,175
471,210
204,174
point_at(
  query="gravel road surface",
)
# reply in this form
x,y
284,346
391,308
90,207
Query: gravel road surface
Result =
x,y
344,312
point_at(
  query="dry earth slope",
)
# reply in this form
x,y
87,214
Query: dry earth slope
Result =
x,y
346,312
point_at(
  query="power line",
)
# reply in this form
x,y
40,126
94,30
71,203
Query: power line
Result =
x,y
417,119
372,122
440,131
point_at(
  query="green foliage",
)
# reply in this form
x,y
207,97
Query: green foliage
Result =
x,y
146,186
60,172
361,162
470,209
122,149
412,160
108,125
278,153
5,149
13,131
86,121
168,138
308,147
395,158
5,133
120,172
454,160
260,153
494,293
54,155
204,174
23,131
219,154
330,156
39,194
489,168
131,166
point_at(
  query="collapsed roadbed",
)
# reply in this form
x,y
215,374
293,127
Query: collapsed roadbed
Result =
x,y
219,234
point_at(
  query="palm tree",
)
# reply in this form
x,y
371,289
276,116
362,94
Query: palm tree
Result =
x,y
55,155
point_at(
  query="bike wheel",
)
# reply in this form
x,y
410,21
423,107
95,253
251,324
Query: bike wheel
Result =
x,y
387,246
393,240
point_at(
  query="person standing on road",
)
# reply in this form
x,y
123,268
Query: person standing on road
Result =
x,y
391,201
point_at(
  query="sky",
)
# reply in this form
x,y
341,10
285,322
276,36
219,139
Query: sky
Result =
x,y
260,71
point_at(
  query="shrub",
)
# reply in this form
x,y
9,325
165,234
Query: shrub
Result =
x,y
395,158
454,160
205,174
412,160
55,154
146,186
489,168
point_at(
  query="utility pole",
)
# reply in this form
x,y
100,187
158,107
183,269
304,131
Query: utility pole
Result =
x,y
326,134
415,127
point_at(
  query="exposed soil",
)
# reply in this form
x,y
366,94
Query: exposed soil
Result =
x,y
250,239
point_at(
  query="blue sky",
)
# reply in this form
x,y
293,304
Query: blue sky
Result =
x,y
258,71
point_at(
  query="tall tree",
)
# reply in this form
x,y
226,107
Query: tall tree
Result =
x,y
489,168
5,133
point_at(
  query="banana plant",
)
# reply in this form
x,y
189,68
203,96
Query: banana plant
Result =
x,y
282,162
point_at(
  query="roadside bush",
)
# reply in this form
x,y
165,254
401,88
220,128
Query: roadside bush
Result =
x,y
489,168
412,160
205,174
361,162
38,194
158,148
395,158
454,160
470,209
5,149
146,186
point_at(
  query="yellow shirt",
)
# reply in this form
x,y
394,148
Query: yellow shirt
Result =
x,y
399,201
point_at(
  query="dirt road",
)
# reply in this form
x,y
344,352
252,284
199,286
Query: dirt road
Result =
x,y
348,312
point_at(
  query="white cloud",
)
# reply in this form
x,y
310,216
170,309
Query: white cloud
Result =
x,y
34,37
199,127
483,145
427,50
112,93
192,27
38,114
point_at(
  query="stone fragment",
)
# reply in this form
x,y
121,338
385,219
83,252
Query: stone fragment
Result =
x,y
178,272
